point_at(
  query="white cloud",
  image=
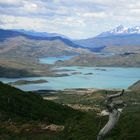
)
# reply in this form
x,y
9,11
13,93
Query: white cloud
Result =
x,y
95,15
22,22
30,7
11,2
72,18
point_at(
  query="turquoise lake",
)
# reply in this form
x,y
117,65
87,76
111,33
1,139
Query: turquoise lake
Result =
x,y
52,60
86,77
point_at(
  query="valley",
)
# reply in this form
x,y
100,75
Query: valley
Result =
x,y
21,52
58,60
69,70
62,114
54,88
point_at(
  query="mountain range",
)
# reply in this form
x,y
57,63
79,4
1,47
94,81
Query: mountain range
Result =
x,y
121,30
16,43
40,34
38,44
119,39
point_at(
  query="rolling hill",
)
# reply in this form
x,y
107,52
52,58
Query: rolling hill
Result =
x,y
122,60
40,34
19,106
19,44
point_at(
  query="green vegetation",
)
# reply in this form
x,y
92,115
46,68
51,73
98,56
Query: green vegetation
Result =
x,y
88,127
22,115
93,101
25,116
17,105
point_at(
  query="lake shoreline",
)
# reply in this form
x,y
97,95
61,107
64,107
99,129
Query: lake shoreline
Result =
x,y
76,90
82,77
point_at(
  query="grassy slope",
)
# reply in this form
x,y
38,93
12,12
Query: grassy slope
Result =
x,y
19,105
88,126
23,113
30,109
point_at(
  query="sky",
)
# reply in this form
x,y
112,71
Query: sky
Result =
x,y
76,19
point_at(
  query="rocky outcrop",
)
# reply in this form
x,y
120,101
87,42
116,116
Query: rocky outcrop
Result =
x,y
135,86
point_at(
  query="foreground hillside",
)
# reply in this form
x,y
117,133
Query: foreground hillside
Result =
x,y
25,115
91,100
17,105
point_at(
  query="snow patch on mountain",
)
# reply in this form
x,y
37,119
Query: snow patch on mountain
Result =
x,y
121,30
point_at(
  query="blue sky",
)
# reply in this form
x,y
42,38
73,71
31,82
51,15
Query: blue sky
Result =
x,y
73,18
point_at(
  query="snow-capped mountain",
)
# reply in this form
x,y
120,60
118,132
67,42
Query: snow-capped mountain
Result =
x,y
119,37
121,30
